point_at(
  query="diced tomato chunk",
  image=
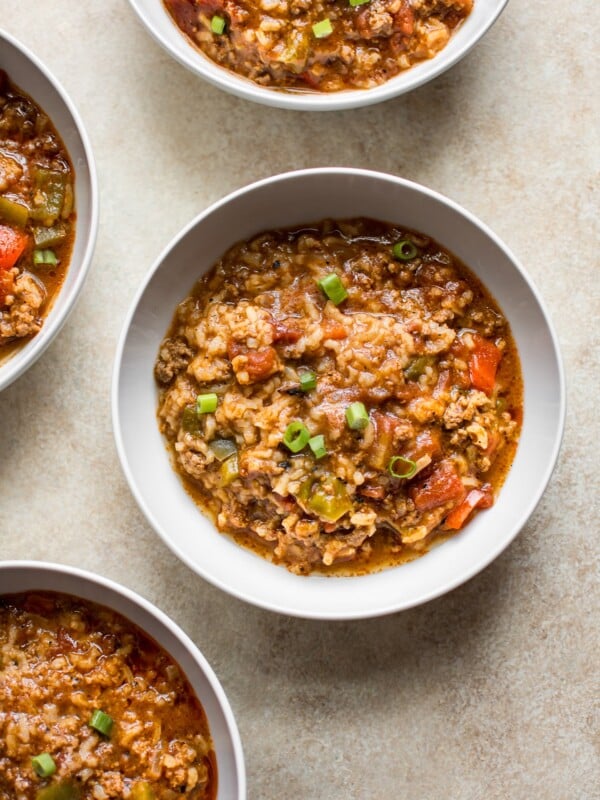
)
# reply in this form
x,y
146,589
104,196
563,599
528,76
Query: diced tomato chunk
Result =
x,y
334,330
235,348
405,392
187,13
65,640
288,503
441,486
310,79
427,443
459,349
284,333
12,245
374,492
404,20
211,6
382,448
483,364
517,414
260,363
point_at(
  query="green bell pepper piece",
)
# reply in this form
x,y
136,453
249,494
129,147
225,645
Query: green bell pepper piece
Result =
x,y
223,448
50,186
230,470
49,237
328,499
417,367
58,791
190,422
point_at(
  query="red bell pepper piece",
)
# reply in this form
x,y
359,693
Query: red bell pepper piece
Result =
x,y
477,498
12,244
483,364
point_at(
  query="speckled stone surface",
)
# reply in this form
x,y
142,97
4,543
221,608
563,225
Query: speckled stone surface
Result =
x,y
486,694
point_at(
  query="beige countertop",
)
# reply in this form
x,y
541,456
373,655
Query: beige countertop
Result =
x,y
485,693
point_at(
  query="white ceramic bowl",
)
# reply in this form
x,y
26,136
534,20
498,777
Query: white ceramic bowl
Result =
x,y
303,197
162,27
29,74
23,576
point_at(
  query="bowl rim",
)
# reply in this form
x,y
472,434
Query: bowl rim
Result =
x,y
166,622
239,86
15,366
390,607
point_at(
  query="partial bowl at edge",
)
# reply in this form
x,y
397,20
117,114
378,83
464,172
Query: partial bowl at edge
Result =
x,y
25,576
28,73
163,29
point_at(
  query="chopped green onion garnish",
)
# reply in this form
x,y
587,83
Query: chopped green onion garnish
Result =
x,y
357,417
308,380
333,287
401,467
206,403
322,29
217,24
405,250
317,445
45,257
296,436
43,765
223,448
359,2
101,722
